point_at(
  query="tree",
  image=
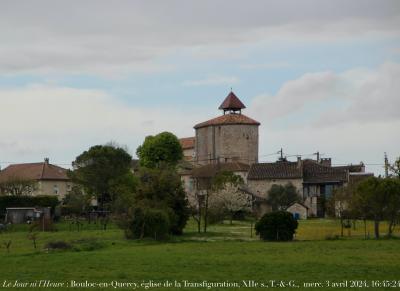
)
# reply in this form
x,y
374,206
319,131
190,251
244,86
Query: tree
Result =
x,y
390,188
18,187
395,168
281,197
227,196
161,188
100,169
163,148
75,202
276,226
371,201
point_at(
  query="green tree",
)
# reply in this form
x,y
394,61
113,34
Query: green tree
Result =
x,y
75,202
161,188
100,170
281,197
276,226
163,148
371,201
390,189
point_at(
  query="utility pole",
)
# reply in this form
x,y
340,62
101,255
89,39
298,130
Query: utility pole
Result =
x,y
386,166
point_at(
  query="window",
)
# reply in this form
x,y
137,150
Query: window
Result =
x,y
55,189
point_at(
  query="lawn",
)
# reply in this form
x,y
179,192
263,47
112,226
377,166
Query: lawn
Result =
x,y
227,254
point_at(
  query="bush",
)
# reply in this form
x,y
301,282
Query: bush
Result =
x,y
276,226
28,201
58,245
149,222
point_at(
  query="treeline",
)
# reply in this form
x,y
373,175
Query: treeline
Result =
x,y
375,198
149,202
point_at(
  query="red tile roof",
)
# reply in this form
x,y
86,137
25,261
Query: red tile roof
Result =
x,y
232,118
231,102
34,171
187,142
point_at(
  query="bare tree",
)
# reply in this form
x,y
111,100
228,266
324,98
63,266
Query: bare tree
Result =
x,y
17,187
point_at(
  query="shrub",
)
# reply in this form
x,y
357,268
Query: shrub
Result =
x,y
28,201
149,222
58,245
276,226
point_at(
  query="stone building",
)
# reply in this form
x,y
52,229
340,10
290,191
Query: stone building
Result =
x,y
230,137
47,179
315,180
230,143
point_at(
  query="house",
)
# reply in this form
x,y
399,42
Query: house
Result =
x,y
299,210
43,178
187,145
315,180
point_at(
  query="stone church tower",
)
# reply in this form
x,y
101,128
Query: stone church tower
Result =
x,y
231,137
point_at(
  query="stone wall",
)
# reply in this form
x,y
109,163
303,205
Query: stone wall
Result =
x,y
231,142
263,186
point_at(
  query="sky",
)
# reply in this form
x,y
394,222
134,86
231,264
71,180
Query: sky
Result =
x,y
319,75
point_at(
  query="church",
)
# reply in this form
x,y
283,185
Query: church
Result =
x,y
230,142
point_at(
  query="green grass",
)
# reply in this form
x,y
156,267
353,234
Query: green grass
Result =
x,y
226,253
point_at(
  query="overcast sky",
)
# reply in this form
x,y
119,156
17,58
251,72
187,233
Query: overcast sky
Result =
x,y
319,75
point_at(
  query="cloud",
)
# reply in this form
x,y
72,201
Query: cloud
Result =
x,y
351,116
108,38
296,94
212,81
357,95
44,120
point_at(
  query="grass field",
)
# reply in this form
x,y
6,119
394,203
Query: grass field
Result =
x,y
226,253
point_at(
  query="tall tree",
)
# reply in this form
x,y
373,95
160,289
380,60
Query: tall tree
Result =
x,y
99,169
281,197
369,199
161,188
390,189
163,148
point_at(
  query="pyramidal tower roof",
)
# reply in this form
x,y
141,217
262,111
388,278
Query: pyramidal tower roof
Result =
x,y
231,102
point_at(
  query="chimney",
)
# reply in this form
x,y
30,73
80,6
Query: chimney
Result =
x,y
326,162
298,161
46,160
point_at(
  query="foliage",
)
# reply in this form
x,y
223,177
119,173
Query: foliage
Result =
x,y
75,202
28,201
163,148
378,199
149,222
161,188
395,168
227,197
18,187
281,197
277,226
102,171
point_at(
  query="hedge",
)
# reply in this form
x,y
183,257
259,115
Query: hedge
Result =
x,y
28,201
